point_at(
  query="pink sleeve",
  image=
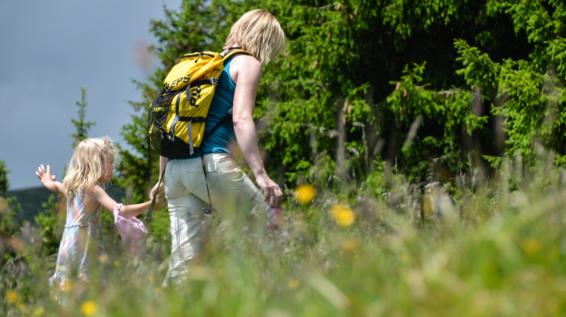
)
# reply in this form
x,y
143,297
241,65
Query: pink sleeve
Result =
x,y
117,210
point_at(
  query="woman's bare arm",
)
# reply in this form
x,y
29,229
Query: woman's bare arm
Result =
x,y
247,74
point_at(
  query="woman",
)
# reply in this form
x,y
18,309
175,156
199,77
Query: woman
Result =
x,y
259,33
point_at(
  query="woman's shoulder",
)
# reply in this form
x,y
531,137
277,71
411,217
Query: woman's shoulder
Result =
x,y
244,62
245,66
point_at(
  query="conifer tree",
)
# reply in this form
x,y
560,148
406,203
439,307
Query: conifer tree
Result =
x,y
9,222
82,126
9,207
3,178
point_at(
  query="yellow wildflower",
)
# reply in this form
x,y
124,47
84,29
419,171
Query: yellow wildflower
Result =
x,y
159,291
343,215
88,308
305,193
11,296
22,307
38,312
350,245
531,246
103,258
294,284
66,286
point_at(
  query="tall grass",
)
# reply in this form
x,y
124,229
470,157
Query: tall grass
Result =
x,y
504,254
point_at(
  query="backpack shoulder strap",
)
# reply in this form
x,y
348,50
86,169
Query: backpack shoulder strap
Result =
x,y
196,54
226,54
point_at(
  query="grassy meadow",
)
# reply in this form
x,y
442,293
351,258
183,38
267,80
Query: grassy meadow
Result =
x,y
492,249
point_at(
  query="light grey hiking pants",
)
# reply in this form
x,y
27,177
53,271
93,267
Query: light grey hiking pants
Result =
x,y
231,191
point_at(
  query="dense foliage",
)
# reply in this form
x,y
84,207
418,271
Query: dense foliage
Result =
x,y
433,88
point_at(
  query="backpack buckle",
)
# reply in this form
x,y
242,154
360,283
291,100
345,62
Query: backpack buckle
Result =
x,y
188,92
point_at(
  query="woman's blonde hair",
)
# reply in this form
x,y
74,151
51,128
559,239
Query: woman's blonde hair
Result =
x,y
87,166
259,33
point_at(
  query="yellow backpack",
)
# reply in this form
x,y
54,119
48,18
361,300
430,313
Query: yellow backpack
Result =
x,y
177,117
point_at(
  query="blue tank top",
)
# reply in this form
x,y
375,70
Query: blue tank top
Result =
x,y
219,140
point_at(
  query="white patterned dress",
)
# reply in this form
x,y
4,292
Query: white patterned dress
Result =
x,y
81,243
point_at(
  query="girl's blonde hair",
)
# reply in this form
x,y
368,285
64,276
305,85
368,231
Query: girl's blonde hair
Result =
x,y
87,166
259,33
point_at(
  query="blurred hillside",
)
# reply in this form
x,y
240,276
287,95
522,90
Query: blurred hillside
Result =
x,y
31,200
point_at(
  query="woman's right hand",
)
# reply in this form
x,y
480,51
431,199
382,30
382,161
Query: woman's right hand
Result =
x,y
157,188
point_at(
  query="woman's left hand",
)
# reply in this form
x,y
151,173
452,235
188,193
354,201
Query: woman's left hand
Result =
x,y
271,191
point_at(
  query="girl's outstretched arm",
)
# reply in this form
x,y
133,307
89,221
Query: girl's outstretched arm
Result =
x,y
108,203
48,180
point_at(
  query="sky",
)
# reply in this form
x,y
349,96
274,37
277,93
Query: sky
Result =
x,y
48,51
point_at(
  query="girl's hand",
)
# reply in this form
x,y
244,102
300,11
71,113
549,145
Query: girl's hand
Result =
x,y
44,174
48,180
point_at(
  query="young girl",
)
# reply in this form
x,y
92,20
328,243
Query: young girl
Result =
x,y
89,169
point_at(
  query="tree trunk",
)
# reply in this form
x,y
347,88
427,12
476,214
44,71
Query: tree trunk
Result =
x,y
341,169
